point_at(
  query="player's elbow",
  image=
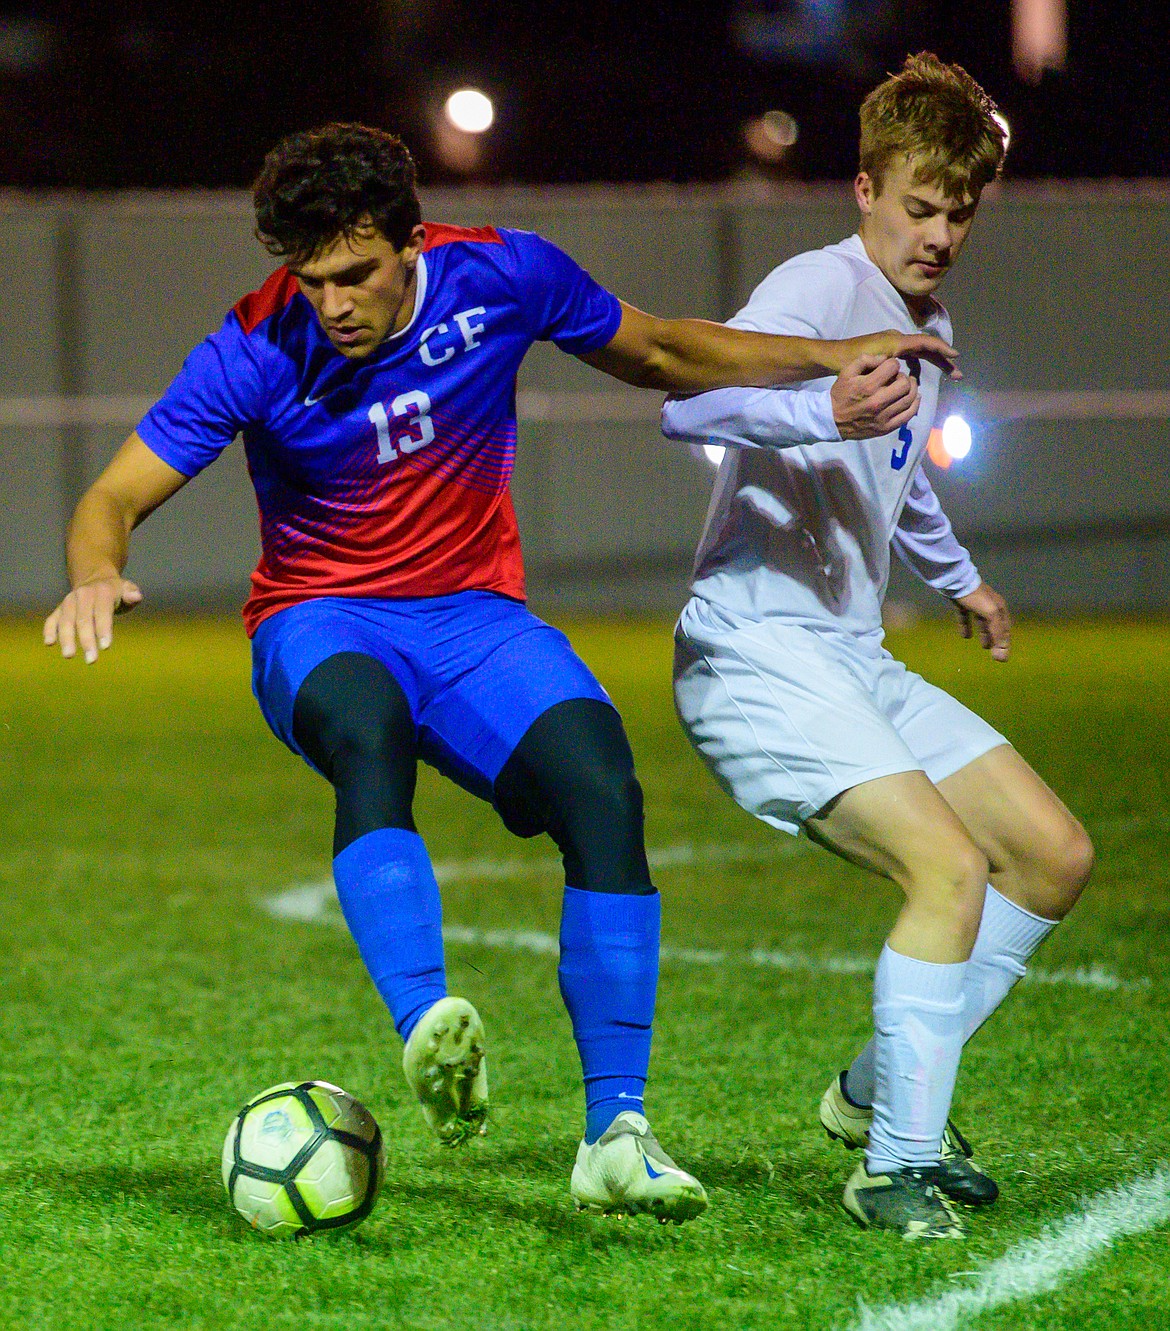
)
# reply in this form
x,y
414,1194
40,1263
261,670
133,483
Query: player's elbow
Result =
x,y
659,361
111,504
652,369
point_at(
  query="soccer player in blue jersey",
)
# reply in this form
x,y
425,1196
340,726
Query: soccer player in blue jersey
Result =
x,y
373,380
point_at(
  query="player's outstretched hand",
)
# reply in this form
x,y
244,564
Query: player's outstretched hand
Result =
x,y
872,396
985,608
906,346
85,617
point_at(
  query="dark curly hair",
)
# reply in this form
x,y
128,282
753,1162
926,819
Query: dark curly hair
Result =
x,y
322,183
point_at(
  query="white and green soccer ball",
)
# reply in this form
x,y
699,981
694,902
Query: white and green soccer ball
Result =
x,y
303,1157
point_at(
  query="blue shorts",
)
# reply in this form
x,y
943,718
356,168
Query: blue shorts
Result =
x,y
477,670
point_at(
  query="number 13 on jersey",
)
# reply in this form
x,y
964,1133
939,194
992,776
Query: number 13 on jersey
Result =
x,y
414,409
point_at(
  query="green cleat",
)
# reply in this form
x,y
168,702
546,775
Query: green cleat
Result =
x,y
910,1201
445,1067
959,1176
626,1172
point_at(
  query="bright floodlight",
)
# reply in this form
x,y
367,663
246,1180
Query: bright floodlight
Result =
x,y
714,453
469,110
956,437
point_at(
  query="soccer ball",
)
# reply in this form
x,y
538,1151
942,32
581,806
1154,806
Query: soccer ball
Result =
x,y
303,1157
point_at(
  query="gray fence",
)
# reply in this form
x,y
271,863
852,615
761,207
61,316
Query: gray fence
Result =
x,y
1058,309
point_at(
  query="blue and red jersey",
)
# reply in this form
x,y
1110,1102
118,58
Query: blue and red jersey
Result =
x,y
386,476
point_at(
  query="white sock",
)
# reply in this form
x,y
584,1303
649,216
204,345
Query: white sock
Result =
x,y
918,1019
1008,935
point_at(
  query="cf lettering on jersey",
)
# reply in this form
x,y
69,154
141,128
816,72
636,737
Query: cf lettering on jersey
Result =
x,y
446,343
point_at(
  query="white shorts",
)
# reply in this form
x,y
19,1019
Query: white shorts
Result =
x,y
787,718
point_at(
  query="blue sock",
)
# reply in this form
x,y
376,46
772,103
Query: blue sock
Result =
x,y
609,977
390,901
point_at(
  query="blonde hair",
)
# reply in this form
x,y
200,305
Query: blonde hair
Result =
x,y
937,115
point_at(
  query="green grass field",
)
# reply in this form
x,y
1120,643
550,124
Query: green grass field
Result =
x,y
147,814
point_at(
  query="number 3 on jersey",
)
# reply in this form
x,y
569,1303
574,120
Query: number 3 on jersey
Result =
x,y
898,456
413,407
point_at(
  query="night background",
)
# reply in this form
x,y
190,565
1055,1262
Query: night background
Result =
x,y
171,942
171,94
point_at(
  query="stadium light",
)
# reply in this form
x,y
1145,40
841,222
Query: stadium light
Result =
x,y
781,128
956,437
470,110
771,136
1039,37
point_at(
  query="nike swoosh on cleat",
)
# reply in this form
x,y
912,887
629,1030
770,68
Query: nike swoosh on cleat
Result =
x,y
650,1169
311,401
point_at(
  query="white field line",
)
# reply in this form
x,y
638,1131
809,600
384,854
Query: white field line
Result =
x,y
1040,1264
317,903
309,900
665,857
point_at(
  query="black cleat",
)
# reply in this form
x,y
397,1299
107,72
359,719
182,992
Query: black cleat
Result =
x,y
959,1176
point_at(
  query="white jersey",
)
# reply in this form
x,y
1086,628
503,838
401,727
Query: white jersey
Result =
x,y
801,522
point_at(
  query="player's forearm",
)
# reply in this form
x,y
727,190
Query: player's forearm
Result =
x,y
98,541
926,543
751,417
694,356
940,562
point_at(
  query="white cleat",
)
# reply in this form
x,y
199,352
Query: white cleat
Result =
x,y
445,1067
626,1172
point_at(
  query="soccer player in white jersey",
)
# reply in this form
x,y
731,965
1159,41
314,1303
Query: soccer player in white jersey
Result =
x,y
785,689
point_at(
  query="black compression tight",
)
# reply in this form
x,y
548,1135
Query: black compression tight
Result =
x,y
572,774
353,722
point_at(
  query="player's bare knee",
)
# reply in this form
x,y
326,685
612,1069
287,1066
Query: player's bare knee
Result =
x,y
955,916
1081,856
957,869
962,898
1068,862
951,886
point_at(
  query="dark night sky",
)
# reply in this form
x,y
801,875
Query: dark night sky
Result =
x,y
171,94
